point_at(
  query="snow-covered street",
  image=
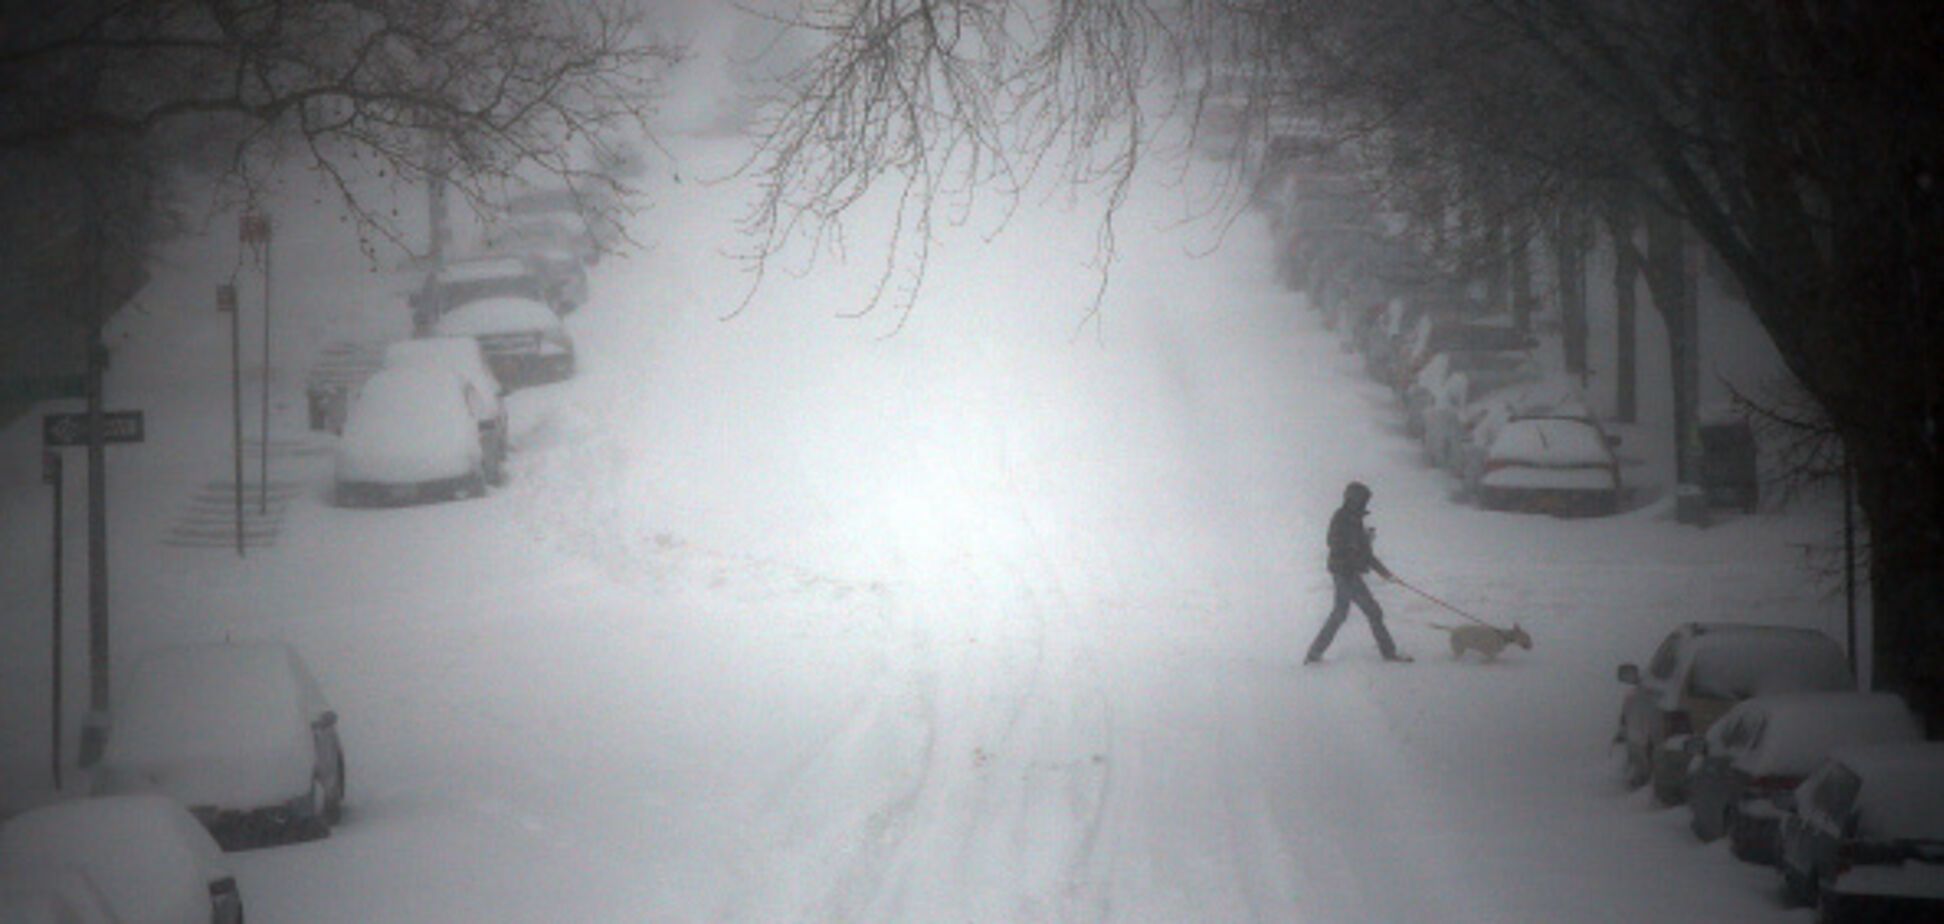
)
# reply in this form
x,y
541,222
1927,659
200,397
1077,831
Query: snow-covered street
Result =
x,y
781,618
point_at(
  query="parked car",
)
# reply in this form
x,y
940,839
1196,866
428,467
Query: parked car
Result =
x,y
1485,414
411,437
463,357
1436,404
470,279
239,733
1866,839
1436,333
1553,464
564,274
133,859
1698,673
1745,769
524,341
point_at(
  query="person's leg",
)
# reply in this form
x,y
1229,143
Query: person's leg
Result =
x,y
1360,593
1338,611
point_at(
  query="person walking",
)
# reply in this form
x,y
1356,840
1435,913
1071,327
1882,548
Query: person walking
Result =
x,y
1351,556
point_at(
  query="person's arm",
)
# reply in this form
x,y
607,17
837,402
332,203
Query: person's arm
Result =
x,y
1370,552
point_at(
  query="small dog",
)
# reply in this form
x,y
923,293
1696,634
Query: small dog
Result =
x,y
1488,641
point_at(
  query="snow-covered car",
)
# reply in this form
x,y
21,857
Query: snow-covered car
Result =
x,y
1485,414
240,733
410,437
524,340
1699,672
1746,768
133,859
1437,333
1866,839
1562,465
564,274
470,279
1436,405
463,357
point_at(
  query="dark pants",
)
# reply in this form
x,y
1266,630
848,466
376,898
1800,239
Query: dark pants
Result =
x,y
1350,588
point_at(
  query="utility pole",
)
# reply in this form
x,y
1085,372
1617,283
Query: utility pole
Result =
x,y
255,231
94,729
51,474
226,304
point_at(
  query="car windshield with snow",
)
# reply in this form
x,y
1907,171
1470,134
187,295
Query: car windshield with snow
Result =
x,y
1552,464
410,437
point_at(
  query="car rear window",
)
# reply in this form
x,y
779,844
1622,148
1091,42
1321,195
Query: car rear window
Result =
x,y
1741,665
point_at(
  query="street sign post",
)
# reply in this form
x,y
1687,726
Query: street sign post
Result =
x,y
73,429
51,476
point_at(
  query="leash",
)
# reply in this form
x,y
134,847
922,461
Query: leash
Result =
x,y
1408,586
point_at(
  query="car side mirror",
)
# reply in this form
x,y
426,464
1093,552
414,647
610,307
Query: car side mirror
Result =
x,y
1629,674
326,721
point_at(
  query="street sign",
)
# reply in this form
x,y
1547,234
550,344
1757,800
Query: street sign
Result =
x,y
44,387
72,429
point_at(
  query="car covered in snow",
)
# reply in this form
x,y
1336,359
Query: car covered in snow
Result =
x,y
463,357
524,341
1551,463
1437,332
470,279
1699,672
1480,420
240,733
1436,405
1745,770
132,859
1865,841
410,437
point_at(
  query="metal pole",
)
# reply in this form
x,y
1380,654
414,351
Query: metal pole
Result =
x,y
94,731
51,465
263,463
227,297
1849,559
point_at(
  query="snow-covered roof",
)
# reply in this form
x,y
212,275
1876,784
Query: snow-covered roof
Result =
x,y
142,855
218,725
1790,734
499,315
1738,664
1551,442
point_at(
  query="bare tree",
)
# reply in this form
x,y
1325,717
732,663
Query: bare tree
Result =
x,y
476,89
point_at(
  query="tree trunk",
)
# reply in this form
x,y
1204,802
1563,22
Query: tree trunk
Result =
x,y
1670,278
1900,484
1626,276
1519,260
1569,262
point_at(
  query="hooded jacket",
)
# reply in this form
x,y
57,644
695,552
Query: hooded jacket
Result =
x,y
1350,545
